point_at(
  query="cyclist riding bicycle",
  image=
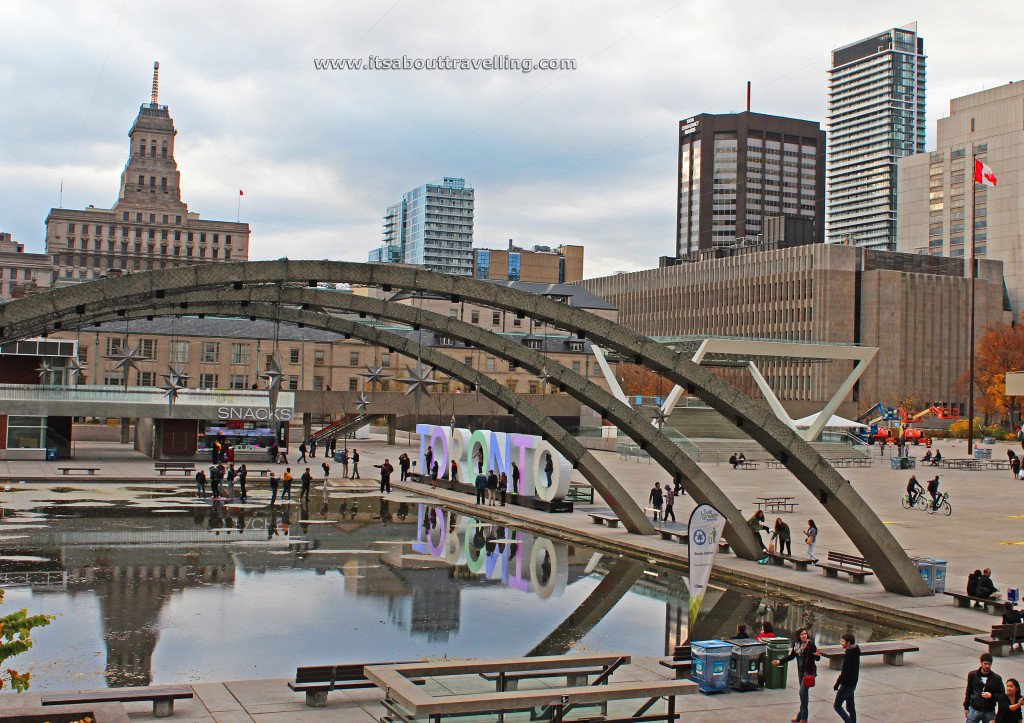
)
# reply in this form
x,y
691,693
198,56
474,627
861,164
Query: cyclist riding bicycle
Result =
x,y
914,489
933,490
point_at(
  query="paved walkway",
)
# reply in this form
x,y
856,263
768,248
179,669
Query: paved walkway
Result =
x,y
986,529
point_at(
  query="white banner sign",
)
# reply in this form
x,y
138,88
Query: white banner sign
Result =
x,y
705,530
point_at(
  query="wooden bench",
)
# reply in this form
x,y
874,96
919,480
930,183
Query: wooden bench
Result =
x,y
891,652
260,472
747,465
681,662
841,562
600,518
164,467
800,563
682,536
163,697
510,681
1000,643
775,464
316,681
84,470
963,600
580,492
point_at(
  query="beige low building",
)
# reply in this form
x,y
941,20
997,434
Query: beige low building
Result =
x,y
913,308
21,272
936,214
561,265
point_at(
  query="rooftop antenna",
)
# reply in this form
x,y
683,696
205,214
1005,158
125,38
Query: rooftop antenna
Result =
x,y
748,95
156,84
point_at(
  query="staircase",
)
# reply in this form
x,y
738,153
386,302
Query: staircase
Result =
x,y
703,423
349,423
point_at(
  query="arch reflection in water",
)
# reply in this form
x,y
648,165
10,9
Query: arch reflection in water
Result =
x,y
514,557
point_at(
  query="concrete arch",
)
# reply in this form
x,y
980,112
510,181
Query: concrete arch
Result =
x,y
263,302
890,562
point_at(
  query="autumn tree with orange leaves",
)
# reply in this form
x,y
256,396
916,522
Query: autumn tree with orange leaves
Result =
x,y
1000,350
639,380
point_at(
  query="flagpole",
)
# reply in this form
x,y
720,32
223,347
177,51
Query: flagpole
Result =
x,y
971,263
238,215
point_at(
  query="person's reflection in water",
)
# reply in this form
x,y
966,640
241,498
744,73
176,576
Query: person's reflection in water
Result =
x,y
385,511
403,510
343,510
272,523
216,516
286,520
199,517
433,518
241,520
304,517
355,510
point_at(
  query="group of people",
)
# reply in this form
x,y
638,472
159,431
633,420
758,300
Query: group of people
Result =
x,y
931,459
330,447
781,536
662,500
1014,464
736,459
915,490
489,486
219,475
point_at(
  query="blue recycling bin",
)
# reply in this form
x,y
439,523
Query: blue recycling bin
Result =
x,y
746,664
711,663
933,572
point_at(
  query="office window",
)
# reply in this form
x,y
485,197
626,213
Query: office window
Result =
x,y
239,381
293,383
576,367
353,384
113,379
385,360
207,381
318,384
147,347
293,356
474,317
146,379
179,352
353,358
495,318
240,354
490,364
319,358
211,352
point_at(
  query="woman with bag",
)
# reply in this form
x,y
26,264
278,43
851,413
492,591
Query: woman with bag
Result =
x,y
782,535
811,537
805,652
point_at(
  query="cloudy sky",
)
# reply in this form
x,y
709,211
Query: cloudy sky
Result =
x,y
585,156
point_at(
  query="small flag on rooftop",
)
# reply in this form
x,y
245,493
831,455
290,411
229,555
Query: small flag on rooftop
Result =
x,y
983,174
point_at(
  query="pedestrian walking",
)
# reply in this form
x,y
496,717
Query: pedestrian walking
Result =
x,y
355,464
307,480
670,499
286,484
453,476
273,489
344,463
481,488
312,448
810,537
275,450
334,445
656,498
1010,703
806,653
846,683
385,476
327,473
243,473
983,691
201,485
302,453
216,475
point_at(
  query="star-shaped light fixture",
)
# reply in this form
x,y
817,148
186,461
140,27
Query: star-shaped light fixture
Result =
x,y
175,382
418,379
45,370
274,375
659,418
75,368
178,374
543,376
362,402
375,375
127,358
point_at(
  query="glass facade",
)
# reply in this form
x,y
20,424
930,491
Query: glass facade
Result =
x,y
876,115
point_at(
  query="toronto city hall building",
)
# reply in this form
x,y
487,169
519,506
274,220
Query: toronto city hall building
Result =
x,y
875,116
149,227
737,169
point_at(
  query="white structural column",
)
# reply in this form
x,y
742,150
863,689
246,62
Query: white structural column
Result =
x,y
613,383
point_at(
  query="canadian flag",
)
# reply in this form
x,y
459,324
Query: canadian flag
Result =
x,y
240,193
983,174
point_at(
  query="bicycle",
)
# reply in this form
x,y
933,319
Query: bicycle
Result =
x,y
943,506
921,502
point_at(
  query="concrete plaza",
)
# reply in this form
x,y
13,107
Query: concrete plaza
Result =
x,y
986,529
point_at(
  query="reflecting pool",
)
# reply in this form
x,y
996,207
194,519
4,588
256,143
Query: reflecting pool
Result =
x,y
189,590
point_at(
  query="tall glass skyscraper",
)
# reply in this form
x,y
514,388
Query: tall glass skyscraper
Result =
x,y
875,116
431,226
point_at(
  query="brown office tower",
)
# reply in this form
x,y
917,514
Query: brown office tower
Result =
x,y
737,169
149,227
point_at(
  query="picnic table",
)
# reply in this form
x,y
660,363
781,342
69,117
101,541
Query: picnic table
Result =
x,y
776,504
966,463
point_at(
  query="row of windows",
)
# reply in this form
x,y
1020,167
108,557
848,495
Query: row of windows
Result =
x,y
190,236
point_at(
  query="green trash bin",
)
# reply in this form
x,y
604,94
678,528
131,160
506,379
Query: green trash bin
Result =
x,y
775,675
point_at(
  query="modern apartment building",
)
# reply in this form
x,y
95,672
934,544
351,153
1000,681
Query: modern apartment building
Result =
x,y
21,272
912,307
432,226
936,214
737,169
149,227
876,115
561,265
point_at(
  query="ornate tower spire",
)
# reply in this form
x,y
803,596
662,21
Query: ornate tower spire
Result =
x,y
156,84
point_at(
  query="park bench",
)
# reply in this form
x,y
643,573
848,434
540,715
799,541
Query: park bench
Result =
x,y
510,681
891,652
601,518
963,600
776,504
260,472
83,470
682,536
775,464
800,563
1000,643
681,662
163,697
747,465
856,567
164,467
316,681
580,492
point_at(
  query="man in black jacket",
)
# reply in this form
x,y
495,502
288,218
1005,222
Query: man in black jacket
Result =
x,y
846,683
983,690
985,588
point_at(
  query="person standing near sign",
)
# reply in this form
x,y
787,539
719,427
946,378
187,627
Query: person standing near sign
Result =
x,y
805,652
